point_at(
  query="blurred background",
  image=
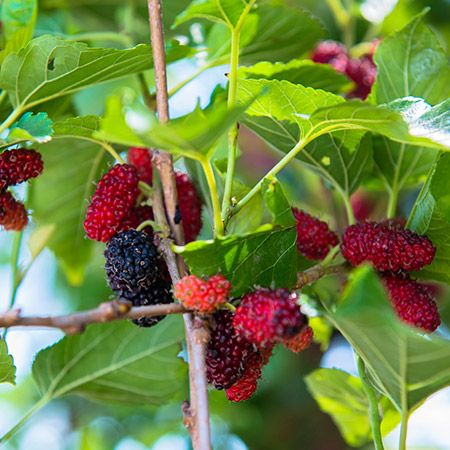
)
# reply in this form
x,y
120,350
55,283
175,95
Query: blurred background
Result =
x,y
282,415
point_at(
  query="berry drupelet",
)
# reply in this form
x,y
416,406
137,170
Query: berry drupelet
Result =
x,y
141,158
388,246
112,202
267,316
314,238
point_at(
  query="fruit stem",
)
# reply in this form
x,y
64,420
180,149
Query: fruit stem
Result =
x,y
230,307
373,404
112,152
348,208
211,180
11,118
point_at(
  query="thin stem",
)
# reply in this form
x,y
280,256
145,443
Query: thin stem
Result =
x,y
275,169
15,114
403,431
394,189
373,404
209,174
392,204
112,152
233,133
348,207
36,407
3,96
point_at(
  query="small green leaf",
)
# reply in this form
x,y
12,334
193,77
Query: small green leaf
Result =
x,y
264,258
342,396
431,216
61,197
403,363
223,11
299,71
30,127
7,368
39,239
277,202
115,362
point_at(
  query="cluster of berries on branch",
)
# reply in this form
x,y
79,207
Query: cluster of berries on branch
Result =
x,y
242,341
362,71
16,166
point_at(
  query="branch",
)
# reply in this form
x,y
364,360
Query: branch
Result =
x,y
76,322
314,273
197,332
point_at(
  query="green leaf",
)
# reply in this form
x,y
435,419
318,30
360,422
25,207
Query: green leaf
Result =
x,y
431,216
222,11
115,362
276,201
282,100
342,396
299,71
60,198
18,18
82,127
30,127
60,67
7,368
421,68
193,136
264,258
404,364
39,239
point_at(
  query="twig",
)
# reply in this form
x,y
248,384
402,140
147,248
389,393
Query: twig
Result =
x,y
76,322
197,333
314,273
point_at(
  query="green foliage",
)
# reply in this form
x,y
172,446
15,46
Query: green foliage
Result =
x,y
267,258
115,362
431,216
7,368
299,71
342,396
277,203
18,18
404,365
60,199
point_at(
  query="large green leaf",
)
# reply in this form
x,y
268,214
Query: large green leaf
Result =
x,y
264,258
431,216
342,396
404,364
299,71
49,67
82,127
7,368
421,68
193,135
61,196
115,362
18,18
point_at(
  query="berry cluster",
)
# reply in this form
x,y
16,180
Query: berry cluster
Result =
x,y
362,71
115,204
241,343
16,166
395,251
135,272
314,238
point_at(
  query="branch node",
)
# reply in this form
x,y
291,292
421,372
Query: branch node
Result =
x,y
188,418
11,317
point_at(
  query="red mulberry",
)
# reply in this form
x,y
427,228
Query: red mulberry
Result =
x,y
17,166
13,215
